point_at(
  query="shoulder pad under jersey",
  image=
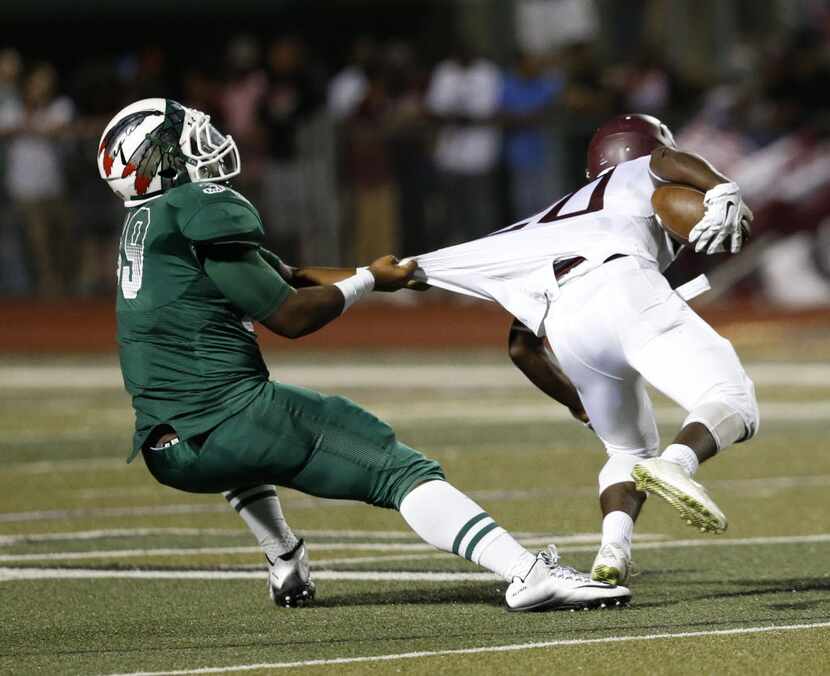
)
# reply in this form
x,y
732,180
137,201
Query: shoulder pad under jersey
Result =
x,y
209,211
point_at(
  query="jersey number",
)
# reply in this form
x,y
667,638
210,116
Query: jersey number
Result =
x,y
131,253
596,202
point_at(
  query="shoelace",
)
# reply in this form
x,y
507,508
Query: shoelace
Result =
x,y
551,561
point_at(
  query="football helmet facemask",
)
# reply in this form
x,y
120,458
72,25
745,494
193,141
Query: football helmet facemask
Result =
x,y
154,145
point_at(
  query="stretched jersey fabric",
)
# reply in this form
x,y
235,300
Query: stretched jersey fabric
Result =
x,y
514,266
188,356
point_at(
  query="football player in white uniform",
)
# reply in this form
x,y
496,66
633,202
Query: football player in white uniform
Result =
x,y
586,274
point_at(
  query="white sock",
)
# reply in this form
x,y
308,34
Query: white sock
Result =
x,y
447,519
683,456
617,529
260,509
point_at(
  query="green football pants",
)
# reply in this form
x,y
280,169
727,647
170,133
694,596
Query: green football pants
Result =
x,y
290,436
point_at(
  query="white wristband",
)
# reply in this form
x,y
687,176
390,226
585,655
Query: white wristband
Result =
x,y
355,287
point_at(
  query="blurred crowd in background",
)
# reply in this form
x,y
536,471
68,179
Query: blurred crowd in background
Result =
x,y
386,151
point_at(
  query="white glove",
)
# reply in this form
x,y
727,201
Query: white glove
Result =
x,y
724,215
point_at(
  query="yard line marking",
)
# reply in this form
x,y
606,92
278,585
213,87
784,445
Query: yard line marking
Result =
x,y
199,551
43,515
524,412
407,547
759,487
817,538
379,559
783,411
116,533
446,376
62,466
16,574
515,647
295,503
762,487
253,549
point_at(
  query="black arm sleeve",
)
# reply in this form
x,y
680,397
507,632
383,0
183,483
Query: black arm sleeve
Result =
x,y
283,270
245,279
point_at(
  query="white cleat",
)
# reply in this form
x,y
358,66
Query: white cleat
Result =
x,y
671,481
612,565
289,578
551,586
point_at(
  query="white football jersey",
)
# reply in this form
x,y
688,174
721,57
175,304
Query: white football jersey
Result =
x,y
514,266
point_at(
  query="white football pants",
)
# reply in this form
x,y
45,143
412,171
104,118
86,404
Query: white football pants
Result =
x,y
621,325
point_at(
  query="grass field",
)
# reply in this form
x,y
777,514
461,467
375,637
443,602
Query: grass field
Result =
x,y
103,571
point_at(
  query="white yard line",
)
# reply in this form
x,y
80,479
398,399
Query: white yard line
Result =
x,y
63,466
493,412
207,551
717,541
405,376
565,547
760,487
349,560
15,574
497,412
515,647
116,533
60,514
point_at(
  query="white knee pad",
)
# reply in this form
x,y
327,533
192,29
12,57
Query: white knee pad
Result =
x,y
730,418
618,469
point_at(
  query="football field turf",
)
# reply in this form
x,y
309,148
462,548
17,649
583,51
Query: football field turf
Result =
x,y
104,571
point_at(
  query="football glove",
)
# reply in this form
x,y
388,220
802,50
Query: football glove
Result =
x,y
725,217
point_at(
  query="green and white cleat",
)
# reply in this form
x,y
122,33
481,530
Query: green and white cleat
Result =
x,y
612,565
672,482
549,585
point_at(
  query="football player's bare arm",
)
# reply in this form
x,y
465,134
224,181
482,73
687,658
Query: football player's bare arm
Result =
x,y
320,276
305,311
300,276
253,286
531,357
675,166
311,308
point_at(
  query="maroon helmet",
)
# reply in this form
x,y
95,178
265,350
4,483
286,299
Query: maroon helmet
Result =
x,y
624,138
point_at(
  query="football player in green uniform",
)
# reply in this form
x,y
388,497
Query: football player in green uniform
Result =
x,y
192,274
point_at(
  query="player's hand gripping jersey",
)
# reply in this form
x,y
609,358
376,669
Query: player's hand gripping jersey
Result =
x,y
515,266
189,359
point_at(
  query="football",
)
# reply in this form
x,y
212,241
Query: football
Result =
x,y
678,209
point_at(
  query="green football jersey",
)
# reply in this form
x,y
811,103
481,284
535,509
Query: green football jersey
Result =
x,y
188,357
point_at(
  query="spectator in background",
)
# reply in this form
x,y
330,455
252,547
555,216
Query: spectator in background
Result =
x,y
145,74
463,96
240,101
12,271
294,94
588,103
347,90
35,179
97,92
409,146
645,85
374,194
528,94
10,67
